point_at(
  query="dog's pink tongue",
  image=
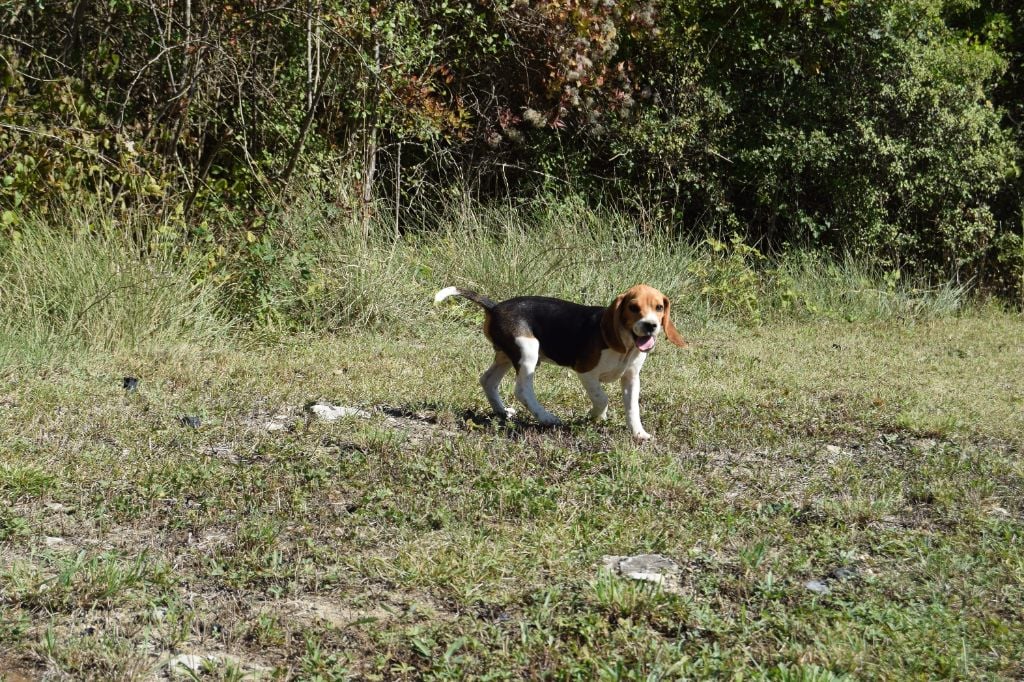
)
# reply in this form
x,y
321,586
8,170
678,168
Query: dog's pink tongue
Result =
x,y
645,343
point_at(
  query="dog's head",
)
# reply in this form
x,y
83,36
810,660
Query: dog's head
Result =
x,y
636,317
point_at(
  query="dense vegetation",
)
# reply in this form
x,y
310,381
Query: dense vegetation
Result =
x,y
889,129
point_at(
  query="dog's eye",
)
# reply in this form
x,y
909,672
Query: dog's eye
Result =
x,y
659,307
634,307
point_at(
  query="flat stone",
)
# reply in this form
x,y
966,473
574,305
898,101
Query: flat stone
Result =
x,y
843,572
330,413
651,568
190,420
1000,512
656,578
817,587
192,663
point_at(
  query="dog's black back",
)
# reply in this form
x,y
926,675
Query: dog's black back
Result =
x,y
566,331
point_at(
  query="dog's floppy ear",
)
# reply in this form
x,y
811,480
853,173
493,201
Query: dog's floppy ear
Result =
x,y
610,325
670,329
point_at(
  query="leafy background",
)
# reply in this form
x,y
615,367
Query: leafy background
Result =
x,y
887,130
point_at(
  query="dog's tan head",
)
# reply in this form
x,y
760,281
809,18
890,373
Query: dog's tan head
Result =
x,y
636,317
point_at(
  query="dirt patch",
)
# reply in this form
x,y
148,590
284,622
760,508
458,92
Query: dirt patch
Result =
x,y
344,611
417,425
15,670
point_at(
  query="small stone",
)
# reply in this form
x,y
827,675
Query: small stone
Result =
x,y
58,507
834,449
186,663
330,413
843,572
190,420
647,564
191,665
656,578
651,568
817,587
53,541
611,562
1000,512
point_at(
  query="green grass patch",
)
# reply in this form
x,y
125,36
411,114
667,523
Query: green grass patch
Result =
x,y
827,424
431,541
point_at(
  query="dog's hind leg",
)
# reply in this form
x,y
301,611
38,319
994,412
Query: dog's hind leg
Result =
x,y
490,380
529,356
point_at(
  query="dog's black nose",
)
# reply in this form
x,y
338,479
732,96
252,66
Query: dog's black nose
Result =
x,y
649,327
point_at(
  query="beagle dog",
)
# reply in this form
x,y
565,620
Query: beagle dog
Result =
x,y
600,344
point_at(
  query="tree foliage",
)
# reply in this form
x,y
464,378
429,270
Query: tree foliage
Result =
x,y
891,128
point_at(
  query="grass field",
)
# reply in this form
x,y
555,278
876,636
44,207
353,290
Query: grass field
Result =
x,y
837,469
430,541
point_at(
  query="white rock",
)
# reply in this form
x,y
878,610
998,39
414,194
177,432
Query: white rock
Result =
x,y
330,413
189,662
191,665
656,578
651,568
817,586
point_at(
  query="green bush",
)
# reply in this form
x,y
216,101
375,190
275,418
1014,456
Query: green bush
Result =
x,y
889,129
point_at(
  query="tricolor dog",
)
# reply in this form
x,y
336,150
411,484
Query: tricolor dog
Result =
x,y
600,344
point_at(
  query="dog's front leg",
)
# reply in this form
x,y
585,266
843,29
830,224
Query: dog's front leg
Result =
x,y
631,401
598,398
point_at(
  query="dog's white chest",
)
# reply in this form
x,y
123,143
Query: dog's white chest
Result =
x,y
612,365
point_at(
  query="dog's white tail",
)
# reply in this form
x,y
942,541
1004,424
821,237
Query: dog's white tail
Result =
x,y
479,299
445,293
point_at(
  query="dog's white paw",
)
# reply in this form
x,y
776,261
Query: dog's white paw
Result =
x,y
642,435
599,416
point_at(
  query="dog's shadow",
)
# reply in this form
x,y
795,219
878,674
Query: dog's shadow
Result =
x,y
519,426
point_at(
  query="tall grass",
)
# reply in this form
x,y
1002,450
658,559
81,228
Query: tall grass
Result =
x,y
84,281
851,289
563,248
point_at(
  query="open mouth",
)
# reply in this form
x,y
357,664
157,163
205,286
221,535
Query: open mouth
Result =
x,y
644,343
